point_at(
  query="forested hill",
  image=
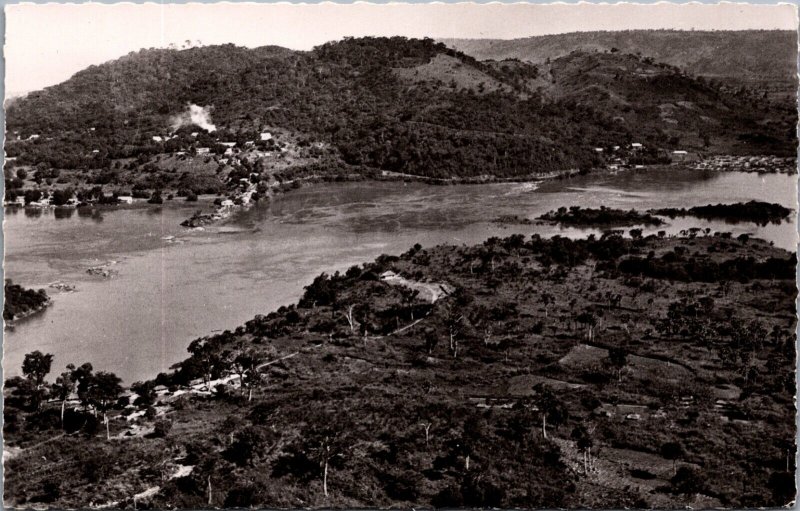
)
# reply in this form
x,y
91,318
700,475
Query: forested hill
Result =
x,y
396,104
746,56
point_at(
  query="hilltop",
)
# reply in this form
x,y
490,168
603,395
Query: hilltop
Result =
x,y
371,107
766,57
611,372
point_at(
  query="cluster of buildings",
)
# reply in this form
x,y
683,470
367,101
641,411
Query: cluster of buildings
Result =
x,y
72,202
618,157
764,164
230,147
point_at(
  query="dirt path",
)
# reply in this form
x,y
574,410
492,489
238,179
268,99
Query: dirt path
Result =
x,y
431,291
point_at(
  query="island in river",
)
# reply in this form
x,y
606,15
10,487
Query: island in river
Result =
x,y
20,302
531,372
751,211
600,217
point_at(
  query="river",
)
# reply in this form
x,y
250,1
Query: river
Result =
x,y
166,292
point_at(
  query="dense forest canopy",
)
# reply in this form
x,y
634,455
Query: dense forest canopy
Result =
x,y
411,106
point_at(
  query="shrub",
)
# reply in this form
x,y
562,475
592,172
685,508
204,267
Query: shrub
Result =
x,y
162,428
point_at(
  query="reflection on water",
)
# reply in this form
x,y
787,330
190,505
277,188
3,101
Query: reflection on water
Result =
x,y
167,293
95,214
63,213
33,212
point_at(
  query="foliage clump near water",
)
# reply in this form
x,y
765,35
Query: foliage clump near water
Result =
x,y
599,217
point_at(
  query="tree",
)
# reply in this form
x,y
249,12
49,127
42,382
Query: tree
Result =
x,y
249,442
82,376
63,388
618,359
104,389
454,321
351,321
23,394
36,367
431,340
320,292
408,301
550,407
427,426
32,196
590,320
327,441
155,198
248,361
584,443
206,352
746,340
465,444
672,451
146,392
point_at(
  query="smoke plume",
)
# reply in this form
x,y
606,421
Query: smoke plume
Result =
x,y
194,114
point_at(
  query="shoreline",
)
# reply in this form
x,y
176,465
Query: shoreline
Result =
x,y
12,323
221,213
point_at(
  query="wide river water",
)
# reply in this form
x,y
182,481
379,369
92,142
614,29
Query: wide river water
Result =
x,y
167,293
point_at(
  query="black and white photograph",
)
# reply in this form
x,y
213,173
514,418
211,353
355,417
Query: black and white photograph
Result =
x,y
400,256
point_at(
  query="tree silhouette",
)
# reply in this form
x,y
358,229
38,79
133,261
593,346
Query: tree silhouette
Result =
x,y
672,451
431,340
584,443
206,352
104,389
249,362
327,440
82,376
590,320
550,407
454,320
36,367
63,388
618,359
